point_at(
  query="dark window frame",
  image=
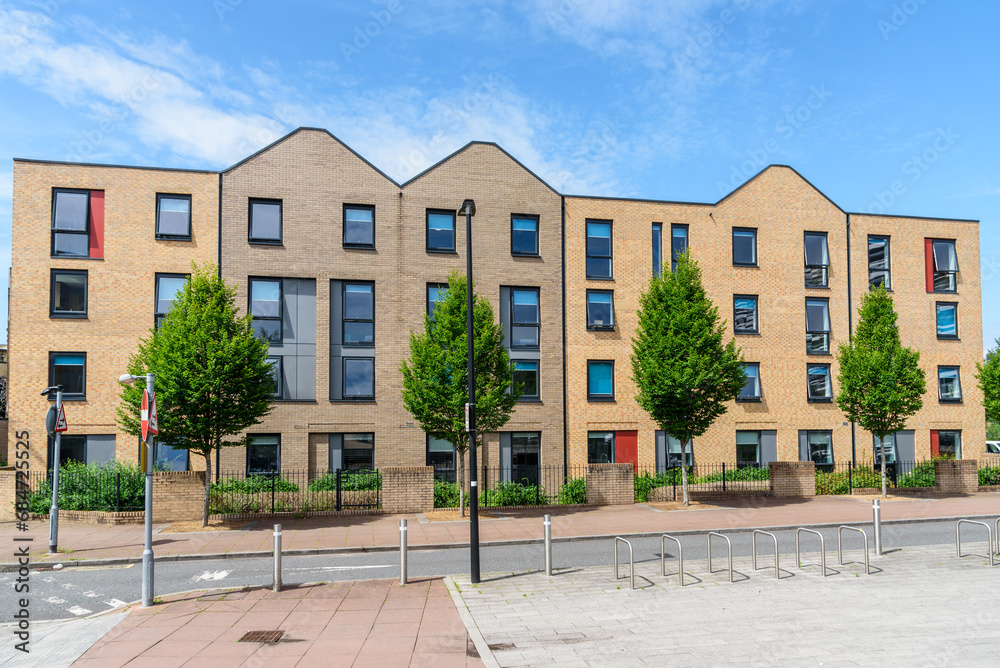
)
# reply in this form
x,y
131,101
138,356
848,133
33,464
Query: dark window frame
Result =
x,y
611,249
601,397
809,446
601,328
958,383
449,473
829,382
343,220
536,325
281,306
174,237
946,337
687,242
537,396
54,230
277,461
525,216
68,315
827,332
614,443
935,271
280,388
67,396
344,319
343,380
760,387
156,293
427,296
344,449
454,231
888,260
281,221
756,314
824,268
756,460
958,444
755,255
657,241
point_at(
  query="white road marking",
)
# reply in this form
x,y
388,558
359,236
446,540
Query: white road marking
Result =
x,y
211,576
70,586
77,610
48,579
91,594
339,568
115,603
54,600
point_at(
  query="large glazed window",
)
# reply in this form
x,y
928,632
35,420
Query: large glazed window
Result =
x,y
525,374
265,306
71,223
817,260
524,235
600,380
359,314
820,387
745,314
599,249
678,243
69,294
168,286
600,309
745,246
817,326
359,226
265,221
751,387
173,217
600,447
945,265
524,318
70,371
359,378
441,231
879,271
264,454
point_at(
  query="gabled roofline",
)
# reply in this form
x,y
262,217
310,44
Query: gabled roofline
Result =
x,y
311,129
640,199
481,143
795,171
113,166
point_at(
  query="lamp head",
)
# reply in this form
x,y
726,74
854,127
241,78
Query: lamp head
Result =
x,y
128,378
468,208
50,390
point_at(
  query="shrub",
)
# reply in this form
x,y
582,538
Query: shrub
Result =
x,y
254,484
92,487
831,483
744,474
574,491
922,475
510,493
353,481
989,475
646,483
445,494
866,477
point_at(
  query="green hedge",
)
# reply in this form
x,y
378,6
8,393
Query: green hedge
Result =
x,y
989,475
92,487
361,480
573,491
254,484
511,493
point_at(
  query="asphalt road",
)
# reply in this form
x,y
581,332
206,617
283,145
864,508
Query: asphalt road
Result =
x,y
76,591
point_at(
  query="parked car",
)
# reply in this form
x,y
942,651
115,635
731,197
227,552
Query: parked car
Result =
x,y
993,447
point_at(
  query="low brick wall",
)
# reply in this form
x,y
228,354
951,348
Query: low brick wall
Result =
x,y
989,459
610,484
407,489
178,496
956,476
911,491
5,454
790,479
96,517
8,493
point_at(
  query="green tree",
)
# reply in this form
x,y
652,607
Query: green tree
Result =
x,y
881,382
683,370
435,379
988,375
213,380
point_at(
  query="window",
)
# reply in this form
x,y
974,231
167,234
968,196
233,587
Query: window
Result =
x,y
523,235
678,243
526,375
817,260
600,447
265,306
359,226
276,375
524,449
440,231
674,452
173,217
745,314
435,294
168,286
71,449
949,444
359,451
819,446
86,449
71,223
878,262
657,249
745,246
359,314
600,380
265,221
817,326
751,388
949,385
947,320
264,455
747,449
69,294
70,371
945,265
886,447
359,378
820,388
441,455
524,318
600,309
169,458
599,249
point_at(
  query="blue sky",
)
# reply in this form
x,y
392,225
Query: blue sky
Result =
x,y
676,99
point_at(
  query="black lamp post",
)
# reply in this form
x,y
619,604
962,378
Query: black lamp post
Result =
x,y
469,210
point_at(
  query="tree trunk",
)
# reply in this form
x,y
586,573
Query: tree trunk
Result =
x,y
208,485
461,484
684,472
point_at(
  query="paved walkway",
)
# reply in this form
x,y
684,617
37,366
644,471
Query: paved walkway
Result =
x,y
88,542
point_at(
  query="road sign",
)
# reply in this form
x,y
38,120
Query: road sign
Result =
x,y
61,421
50,421
148,415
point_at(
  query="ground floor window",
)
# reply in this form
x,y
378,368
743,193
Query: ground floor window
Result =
x,y
441,455
885,447
816,447
169,458
264,454
86,449
359,451
524,451
674,452
949,443
747,449
600,447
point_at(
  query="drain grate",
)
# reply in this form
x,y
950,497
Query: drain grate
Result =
x,y
261,636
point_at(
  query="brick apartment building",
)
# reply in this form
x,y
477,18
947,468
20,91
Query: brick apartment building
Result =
x,y
338,263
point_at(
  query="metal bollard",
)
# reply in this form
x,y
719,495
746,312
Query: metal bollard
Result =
x,y
877,520
277,557
548,545
402,552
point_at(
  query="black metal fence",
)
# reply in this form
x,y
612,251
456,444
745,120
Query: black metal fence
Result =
x,y
843,478
111,489
659,483
295,491
516,485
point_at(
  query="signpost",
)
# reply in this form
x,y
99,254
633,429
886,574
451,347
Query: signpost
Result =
x,y
55,424
147,417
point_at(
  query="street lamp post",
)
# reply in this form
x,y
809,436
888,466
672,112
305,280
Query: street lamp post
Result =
x,y
147,550
469,209
56,446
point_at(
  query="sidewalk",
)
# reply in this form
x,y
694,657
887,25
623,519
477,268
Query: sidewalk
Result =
x,y
91,542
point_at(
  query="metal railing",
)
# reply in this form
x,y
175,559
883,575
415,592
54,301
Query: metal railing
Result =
x,y
958,537
236,492
822,548
663,557
753,539
631,562
730,547
840,549
996,532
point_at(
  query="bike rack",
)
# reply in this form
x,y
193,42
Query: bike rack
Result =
x,y
663,557
840,551
631,563
753,539
958,537
730,547
996,532
822,548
